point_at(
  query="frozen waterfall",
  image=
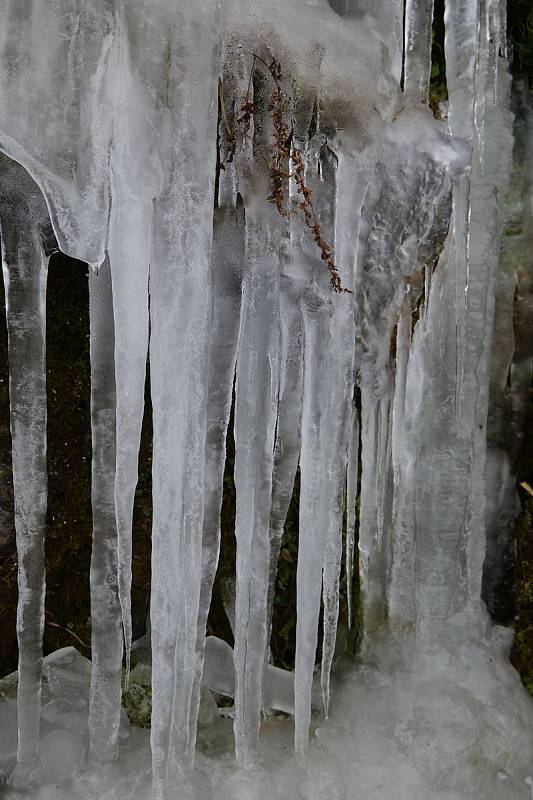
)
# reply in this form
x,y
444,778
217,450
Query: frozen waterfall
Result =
x,y
274,219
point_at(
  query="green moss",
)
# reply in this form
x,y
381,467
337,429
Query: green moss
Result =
x,y
137,703
522,650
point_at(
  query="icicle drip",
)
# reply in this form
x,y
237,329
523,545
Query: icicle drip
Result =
x,y
292,286
135,179
129,254
428,274
329,362
23,220
228,264
384,455
312,525
462,53
228,255
256,396
489,67
351,507
179,322
256,401
485,74
401,590
461,46
417,53
316,314
288,434
461,249
106,637
370,523
351,191
227,269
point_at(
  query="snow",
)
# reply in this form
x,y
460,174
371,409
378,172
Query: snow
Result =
x,y
453,727
121,164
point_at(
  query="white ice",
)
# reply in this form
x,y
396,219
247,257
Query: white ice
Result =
x,y
111,108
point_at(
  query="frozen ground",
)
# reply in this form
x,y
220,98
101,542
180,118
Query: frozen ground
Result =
x,y
454,727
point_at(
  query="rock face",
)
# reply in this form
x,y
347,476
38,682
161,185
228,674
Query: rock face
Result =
x,y
511,368
323,254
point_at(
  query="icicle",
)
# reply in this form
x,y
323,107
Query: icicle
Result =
x,y
288,429
351,508
428,273
450,493
256,399
417,55
401,589
462,51
331,572
329,363
179,323
372,590
135,179
129,255
288,434
311,523
228,256
228,263
384,456
23,215
106,640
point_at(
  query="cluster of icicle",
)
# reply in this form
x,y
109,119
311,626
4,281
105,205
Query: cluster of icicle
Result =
x,y
111,108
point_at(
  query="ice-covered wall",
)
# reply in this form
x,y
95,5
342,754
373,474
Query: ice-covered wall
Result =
x,y
285,249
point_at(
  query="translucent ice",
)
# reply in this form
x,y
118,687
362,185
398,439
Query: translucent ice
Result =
x,y
323,254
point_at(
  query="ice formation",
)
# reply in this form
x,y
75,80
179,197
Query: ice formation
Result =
x,y
115,153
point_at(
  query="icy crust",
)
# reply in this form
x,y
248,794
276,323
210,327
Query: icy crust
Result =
x,y
342,62
455,726
120,67
89,91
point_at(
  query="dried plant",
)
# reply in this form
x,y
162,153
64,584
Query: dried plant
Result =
x,y
284,152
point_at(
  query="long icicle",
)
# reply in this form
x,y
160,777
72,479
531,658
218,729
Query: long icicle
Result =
x,y
228,254
180,309
129,256
351,507
23,214
328,363
227,263
350,195
417,52
256,398
256,408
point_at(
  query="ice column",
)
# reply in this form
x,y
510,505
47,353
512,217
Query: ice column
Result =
x,y
256,399
179,332
352,481
450,474
25,227
129,255
328,365
227,266
417,52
